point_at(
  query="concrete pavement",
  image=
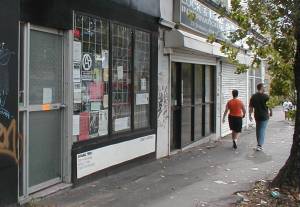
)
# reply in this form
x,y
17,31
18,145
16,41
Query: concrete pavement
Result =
x,y
206,175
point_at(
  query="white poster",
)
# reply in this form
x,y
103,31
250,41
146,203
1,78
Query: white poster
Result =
x,y
143,84
105,59
77,93
76,51
76,73
105,101
76,124
122,123
120,72
95,106
142,98
47,95
103,122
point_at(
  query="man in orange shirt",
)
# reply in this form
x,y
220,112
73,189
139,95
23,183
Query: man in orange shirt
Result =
x,y
237,112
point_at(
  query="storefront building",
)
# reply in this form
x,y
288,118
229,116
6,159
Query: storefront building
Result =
x,y
195,78
84,74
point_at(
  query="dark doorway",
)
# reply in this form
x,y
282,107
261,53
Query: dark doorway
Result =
x,y
193,103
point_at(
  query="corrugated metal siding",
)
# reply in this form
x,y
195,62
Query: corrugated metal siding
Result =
x,y
194,58
231,81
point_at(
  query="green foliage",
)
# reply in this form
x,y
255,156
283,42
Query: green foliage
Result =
x,y
292,115
274,101
267,27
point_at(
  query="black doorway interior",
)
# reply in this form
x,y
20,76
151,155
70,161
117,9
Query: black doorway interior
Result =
x,y
193,103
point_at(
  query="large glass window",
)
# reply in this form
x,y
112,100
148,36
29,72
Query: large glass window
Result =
x,y
141,79
121,77
96,76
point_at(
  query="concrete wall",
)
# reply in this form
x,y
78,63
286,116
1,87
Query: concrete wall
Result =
x,y
163,108
166,9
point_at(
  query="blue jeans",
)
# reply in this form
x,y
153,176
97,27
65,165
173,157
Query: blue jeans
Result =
x,y
261,131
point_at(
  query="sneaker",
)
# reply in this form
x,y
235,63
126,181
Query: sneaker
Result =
x,y
259,148
234,144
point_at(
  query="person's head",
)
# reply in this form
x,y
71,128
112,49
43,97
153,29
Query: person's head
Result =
x,y
260,88
235,93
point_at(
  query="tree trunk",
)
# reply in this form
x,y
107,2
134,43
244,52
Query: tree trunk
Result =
x,y
288,177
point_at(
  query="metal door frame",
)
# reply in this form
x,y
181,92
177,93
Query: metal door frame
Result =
x,y
65,120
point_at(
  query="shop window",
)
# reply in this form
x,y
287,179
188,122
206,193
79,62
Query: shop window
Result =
x,y
110,97
121,77
90,77
141,79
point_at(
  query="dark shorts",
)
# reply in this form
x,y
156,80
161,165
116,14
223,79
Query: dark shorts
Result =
x,y
235,123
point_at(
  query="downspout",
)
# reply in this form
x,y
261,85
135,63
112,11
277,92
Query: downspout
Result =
x,y
221,92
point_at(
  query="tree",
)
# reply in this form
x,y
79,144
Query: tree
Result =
x,y
271,30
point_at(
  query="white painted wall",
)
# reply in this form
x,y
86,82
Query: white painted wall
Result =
x,y
163,108
104,157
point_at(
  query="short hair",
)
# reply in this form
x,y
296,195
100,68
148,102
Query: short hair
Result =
x,y
259,86
235,93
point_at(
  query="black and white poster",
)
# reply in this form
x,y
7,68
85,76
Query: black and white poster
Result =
x,y
94,123
87,66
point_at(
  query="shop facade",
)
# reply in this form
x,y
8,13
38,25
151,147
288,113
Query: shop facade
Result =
x,y
84,91
194,76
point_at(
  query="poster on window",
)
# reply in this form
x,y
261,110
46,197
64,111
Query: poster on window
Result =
x,y
76,51
98,61
76,73
143,84
142,99
86,65
94,123
122,124
96,91
103,122
84,126
105,59
76,125
77,93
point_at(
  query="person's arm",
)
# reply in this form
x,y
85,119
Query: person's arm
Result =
x,y
225,113
244,110
251,110
270,112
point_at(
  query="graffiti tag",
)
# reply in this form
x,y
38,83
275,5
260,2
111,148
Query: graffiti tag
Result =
x,y
5,55
9,141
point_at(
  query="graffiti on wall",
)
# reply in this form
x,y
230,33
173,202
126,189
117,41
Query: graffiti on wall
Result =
x,y
5,55
9,141
162,111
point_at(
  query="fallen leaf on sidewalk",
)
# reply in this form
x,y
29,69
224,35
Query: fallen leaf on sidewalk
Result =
x,y
254,168
220,182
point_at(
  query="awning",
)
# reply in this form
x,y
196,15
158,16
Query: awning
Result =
x,y
179,39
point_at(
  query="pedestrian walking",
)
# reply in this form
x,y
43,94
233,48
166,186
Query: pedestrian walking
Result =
x,y
258,104
287,106
237,112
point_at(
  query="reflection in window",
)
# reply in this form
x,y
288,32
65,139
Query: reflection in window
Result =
x,y
141,79
121,77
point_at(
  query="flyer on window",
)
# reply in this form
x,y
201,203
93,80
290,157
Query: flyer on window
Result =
x,y
103,122
94,123
96,91
84,126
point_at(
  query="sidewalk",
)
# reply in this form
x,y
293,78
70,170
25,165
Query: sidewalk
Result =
x,y
207,175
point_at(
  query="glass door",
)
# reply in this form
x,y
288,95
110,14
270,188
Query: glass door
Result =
x,y
198,102
186,103
45,108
